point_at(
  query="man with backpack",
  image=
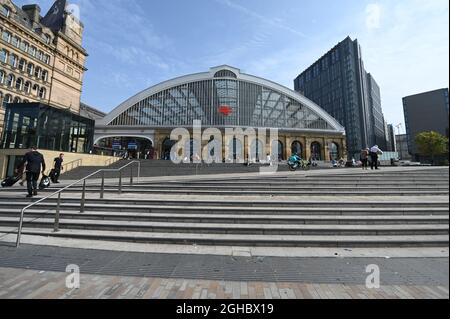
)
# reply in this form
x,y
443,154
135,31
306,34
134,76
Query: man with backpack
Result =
x,y
35,164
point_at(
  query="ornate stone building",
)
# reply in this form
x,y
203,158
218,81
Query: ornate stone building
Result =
x,y
41,57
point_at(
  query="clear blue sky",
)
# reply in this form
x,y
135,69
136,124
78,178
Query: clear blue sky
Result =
x,y
134,44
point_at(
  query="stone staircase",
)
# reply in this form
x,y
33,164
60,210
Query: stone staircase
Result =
x,y
376,209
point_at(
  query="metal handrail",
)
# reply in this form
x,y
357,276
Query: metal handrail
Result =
x,y
80,160
83,194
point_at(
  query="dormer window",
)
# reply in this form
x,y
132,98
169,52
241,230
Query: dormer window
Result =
x,y
4,10
46,38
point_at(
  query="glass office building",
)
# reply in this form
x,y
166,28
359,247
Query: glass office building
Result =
x,y
49,128
339,83
223,98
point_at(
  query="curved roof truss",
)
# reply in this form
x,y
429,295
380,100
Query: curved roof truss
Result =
x,y
222,97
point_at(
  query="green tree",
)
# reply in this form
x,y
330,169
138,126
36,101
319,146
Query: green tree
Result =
x,y
432,144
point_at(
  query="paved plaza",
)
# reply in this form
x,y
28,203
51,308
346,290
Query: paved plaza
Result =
x,y
209,238
39,272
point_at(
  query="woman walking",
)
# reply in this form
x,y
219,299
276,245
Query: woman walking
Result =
x,y
365,159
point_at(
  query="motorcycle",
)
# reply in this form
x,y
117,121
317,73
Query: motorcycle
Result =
x,y
295,162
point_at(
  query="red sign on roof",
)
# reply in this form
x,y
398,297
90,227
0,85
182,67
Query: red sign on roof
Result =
x,y
225,110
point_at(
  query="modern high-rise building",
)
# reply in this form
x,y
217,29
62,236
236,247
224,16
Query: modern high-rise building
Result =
x,y
425,112
402,147
391,143
339,83
41,57
377,122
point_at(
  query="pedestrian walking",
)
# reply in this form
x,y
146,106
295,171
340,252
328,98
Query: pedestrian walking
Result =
x,y
365,158
58,167
35,164
374,153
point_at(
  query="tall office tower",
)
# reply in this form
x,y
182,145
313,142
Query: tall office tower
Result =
x,y
391,143
425,112
339,83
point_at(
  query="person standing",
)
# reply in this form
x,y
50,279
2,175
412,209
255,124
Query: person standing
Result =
x,y
35,164
365,159
374,152
58,168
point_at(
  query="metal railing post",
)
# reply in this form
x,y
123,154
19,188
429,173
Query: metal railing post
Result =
x,y
120,182
102,187
139,172
58,205
83,197
19,231
131,171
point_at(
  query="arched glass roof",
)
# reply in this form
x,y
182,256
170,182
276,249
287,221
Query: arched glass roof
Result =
x,y
223,97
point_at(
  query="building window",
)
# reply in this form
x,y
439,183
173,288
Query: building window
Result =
x,y
4,10
44,76
42,93
37,72
2,77
6,36
22,65
36,89
16,99
19,84
7,99
10,80
46,38
27,87
30,69
13,60
40,55
46,59
24,46
15,42
3,56
220,74
32,51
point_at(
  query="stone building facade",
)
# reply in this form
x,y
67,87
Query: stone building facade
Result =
x,y
41,57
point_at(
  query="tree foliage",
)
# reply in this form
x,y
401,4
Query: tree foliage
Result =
x,y
431,144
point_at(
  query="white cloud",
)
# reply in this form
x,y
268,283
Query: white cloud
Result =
x,y
373,16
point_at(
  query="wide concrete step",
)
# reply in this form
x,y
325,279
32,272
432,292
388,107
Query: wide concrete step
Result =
x,y
194,203
255,229
272,192
264,188
244,240
300,183
300,210
236,218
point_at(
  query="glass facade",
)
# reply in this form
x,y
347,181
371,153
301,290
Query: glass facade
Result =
x,y
221,102
339,84
36,124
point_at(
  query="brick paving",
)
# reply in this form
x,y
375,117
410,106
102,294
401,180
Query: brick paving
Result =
x,y
37,272
32,284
